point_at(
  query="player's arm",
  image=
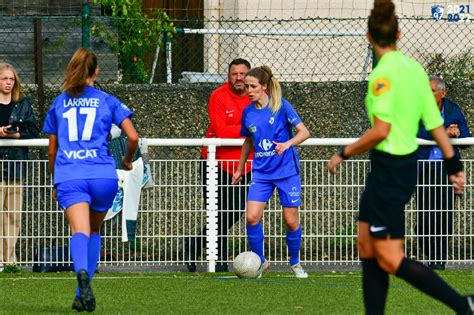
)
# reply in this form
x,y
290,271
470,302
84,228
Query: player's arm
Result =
x,y
366,142
244,154
453,165
369,139
218,119
132,142
301,135
52,150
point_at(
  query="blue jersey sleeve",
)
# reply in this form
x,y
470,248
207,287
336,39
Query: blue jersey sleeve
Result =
x,y
50,124
119,110
291,115
244,131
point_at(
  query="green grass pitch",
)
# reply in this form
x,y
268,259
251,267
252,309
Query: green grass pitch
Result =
x,y
220,293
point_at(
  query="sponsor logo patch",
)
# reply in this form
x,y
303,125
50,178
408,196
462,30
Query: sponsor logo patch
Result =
x,y
380,86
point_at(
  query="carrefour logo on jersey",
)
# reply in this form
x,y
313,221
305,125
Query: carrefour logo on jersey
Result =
x,y
265,145
81,102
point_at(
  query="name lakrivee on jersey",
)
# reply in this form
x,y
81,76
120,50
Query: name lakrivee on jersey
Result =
x,y
81,102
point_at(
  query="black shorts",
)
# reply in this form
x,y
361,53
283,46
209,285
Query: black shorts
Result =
x,y
389,186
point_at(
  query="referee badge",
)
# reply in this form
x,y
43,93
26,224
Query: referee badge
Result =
x,y
380,86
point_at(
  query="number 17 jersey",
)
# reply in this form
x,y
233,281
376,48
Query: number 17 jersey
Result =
x,y
82,125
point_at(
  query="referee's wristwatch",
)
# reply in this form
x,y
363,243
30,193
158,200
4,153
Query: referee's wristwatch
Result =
x,y
341,153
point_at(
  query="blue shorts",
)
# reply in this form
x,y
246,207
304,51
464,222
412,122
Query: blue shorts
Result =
x,y
289,190
98,193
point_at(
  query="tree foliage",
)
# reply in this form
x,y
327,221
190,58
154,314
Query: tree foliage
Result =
x,y
138,35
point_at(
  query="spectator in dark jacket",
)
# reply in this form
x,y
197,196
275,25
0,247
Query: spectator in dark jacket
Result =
x,y
435,197
16,122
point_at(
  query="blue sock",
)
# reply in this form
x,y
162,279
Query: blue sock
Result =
x,y
79,245
293,241
95,241
255,237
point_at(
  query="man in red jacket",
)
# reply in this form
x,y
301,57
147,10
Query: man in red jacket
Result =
x,y
225,113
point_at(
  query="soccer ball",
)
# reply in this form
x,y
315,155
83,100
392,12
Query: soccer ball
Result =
x,y
246,265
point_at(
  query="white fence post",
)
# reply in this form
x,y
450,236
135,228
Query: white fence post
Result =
x,y
211,213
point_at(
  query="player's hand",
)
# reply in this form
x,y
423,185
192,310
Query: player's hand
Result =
x,y
458,180
281,147
237,177
127,165
333,163
453,131
54,193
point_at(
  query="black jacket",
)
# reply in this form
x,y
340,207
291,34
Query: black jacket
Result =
x,y
23,118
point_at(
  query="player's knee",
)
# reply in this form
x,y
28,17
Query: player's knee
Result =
x,y
388,262
95,230
252,219
292,225
95,227
387,265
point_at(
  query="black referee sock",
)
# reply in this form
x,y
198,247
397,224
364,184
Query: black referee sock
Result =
x,y
426,280
375,285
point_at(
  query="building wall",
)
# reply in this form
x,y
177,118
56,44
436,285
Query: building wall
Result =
x,y
319,58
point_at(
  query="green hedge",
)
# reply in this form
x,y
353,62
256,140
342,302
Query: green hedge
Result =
x,y
328,109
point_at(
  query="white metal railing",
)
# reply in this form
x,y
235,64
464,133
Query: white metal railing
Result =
x,y
174,210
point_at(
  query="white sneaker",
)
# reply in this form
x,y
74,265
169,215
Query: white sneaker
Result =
x,y
263,267
299,271
1,268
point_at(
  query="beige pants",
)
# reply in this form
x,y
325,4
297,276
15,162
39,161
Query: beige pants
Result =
x,y
11,200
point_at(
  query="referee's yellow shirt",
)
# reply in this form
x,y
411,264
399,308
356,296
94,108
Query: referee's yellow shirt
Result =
x,y
399,93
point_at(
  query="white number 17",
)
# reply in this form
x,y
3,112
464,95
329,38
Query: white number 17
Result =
x,y
71,116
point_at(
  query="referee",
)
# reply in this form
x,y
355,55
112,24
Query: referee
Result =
x,y
398,97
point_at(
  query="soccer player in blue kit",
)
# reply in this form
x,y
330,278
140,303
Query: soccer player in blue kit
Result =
x,y
84,172
267,124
